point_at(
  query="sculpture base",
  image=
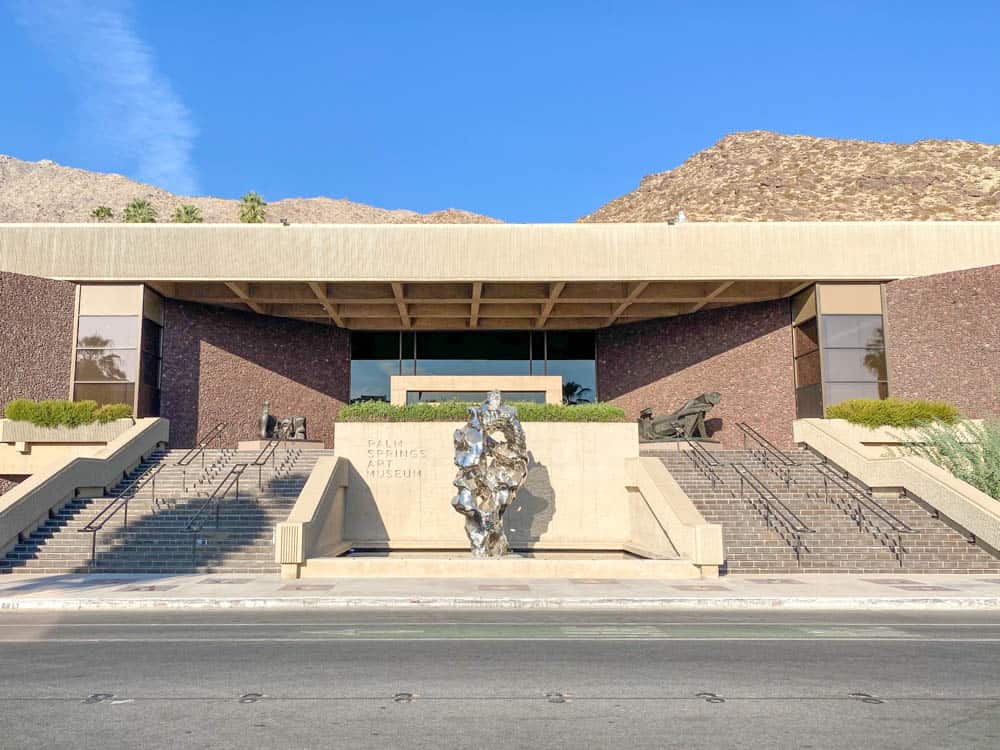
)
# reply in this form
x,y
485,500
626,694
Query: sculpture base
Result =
x,y
257,445
682,442
583,565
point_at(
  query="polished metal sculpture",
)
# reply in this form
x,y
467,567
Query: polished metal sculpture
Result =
x,y
686,423
490,472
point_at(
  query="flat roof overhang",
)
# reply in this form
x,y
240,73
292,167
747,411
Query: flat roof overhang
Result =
x,y
491,276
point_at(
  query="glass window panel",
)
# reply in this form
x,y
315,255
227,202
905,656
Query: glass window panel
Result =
x,y
538,353
370,378
472,353
149,401
408,341
809,402
579,379
570,345
837,392
853,365
108,331
105,393
105,364
853,331
807,369
150,369
378,345
806,338
152,336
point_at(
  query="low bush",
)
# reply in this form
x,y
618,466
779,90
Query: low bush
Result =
x,y
64,413
893,412
969,451
456,411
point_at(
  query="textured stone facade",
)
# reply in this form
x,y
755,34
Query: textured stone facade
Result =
x,y
943,339
36,337
220,365
744,353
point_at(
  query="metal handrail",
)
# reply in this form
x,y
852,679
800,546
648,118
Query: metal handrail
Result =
x,y
864,507
119,502
767,453
776,514
269,451
199,449
704,462
232,476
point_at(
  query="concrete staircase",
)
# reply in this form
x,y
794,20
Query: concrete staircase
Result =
x,y
836,545
157,538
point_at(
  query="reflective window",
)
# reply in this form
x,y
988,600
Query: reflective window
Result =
x,y
834,393
571,355
809,402
473,353
98,365
854,365
853,331
107,331
105,393
807,369
435,397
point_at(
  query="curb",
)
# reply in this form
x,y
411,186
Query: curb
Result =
x,y
431,602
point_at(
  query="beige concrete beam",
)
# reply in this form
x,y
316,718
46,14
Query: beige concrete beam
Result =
x,y
711,296
404,315
635,289
477,293
331,310
555,290
242,290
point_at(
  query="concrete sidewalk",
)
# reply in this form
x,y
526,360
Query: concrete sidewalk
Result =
x,y
94,592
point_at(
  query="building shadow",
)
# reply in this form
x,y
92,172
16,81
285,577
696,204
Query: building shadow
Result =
x,y
529,517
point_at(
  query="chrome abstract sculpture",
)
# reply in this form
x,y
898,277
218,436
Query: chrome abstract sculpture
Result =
x,y
490,472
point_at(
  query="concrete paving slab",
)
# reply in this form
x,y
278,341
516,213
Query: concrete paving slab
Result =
x,y
86,592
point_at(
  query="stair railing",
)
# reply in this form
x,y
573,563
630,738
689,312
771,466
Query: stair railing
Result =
x,y
704,462
232,477
199,450
763,450
268,453
120,503
775,513
865,511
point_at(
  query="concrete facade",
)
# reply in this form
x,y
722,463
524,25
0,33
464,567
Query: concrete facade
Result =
x,y
220,365
943,339
744,353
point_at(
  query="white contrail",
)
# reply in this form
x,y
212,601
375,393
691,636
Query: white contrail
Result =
x,y
127,105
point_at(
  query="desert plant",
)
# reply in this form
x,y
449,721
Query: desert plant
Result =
x,y
64,413
187,214
893,412
140,211
102,213
252,208
456,411
969,451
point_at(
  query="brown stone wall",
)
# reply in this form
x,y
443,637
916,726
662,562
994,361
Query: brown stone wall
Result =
x,y
943,339
744,353
36,337
220,365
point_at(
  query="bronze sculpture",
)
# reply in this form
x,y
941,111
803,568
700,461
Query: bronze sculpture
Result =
x,y
490,472
288,428
686,423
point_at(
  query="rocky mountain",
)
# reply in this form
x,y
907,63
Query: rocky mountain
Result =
x,y
44,191
763,176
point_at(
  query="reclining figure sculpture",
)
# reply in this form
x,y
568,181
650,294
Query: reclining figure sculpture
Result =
x,y
289,428
688,422
490,472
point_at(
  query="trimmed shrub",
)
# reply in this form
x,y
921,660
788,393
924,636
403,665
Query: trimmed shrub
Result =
x,y
970,452
893,412
456,411
64,413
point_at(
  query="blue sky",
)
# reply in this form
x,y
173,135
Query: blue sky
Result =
x,y
528,111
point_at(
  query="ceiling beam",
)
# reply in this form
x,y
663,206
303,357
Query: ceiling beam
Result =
x,y
330,308
242,290
710,296
634,291
555,289
404,315
477,294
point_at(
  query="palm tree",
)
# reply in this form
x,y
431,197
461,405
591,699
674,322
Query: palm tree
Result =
x,y
140,211
252,207
187,214
102,213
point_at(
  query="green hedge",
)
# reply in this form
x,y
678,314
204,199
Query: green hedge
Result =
x,y
455,411
64,413
892,412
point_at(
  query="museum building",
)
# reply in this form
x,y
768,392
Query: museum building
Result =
x,y
201,324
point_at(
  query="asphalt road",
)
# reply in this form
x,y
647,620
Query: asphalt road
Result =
x,y
439,679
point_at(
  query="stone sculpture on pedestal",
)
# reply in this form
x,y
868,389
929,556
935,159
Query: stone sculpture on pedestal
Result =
x,y
490,472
